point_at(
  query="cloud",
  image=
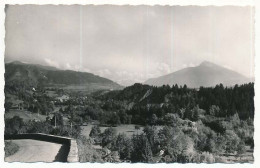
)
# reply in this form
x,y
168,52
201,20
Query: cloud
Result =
x,y
51,63
86,70
228,67
103,72
127,78
140,42
163,68
68,66
159,69
188,65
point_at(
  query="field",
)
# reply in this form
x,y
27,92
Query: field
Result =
x,y
247,157
10,148
25,115
129,130
51,93
87,88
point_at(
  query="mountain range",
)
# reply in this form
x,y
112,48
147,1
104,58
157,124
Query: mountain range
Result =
x,y
206,74
34,74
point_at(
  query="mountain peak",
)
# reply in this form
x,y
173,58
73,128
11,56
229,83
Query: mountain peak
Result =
x,y
17,62
206,74
207,64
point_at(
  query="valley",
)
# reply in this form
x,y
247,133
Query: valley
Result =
x,y
138,123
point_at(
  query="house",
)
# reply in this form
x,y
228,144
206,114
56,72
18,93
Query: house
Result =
x,y
63,98
17,104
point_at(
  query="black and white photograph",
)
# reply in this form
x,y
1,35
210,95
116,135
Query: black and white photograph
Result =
x,y
129,84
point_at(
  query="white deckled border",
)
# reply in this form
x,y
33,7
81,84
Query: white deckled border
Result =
x,y
132,2
137,2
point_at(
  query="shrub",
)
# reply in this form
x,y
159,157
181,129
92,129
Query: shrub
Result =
x,y
95,133
123,145
108,136
232,141
86,152
13,125
207,157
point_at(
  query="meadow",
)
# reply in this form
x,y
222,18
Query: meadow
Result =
x,y
128,129
25,115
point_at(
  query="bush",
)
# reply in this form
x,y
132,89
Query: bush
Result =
x,y
95,133
123,145
13,125
86,152
207,157
232,141
108,136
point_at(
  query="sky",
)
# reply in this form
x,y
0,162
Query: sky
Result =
x,y
130,44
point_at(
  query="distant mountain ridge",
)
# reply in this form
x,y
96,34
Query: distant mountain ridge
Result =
x,y
206,74
33,74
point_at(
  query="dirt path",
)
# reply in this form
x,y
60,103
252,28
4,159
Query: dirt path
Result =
x,y
38,151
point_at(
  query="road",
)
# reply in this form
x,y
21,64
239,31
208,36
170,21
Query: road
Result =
x,y
38,151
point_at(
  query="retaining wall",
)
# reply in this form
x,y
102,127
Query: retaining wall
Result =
x,y
72,144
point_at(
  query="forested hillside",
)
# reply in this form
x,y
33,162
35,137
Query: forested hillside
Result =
x,y
148,100
30,75
156,124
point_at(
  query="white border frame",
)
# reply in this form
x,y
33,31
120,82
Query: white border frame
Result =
x,y
132,2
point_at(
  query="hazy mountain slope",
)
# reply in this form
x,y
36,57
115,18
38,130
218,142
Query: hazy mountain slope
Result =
x,y
35,74
206,74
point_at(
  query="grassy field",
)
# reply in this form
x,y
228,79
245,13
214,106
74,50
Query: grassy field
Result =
x,y
10,148
25,115
245,158
129,130
51,93
87,88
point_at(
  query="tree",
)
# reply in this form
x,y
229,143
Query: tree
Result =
x,y
13,125
137,127
235,120
108,136
114,119
154,119
123,145
141,149
197,113
8,105
232,141
38,127
241,149
123,117
219,144
57,120
181,112
129,119
181,148
172,120
95,133
152,135
214,110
